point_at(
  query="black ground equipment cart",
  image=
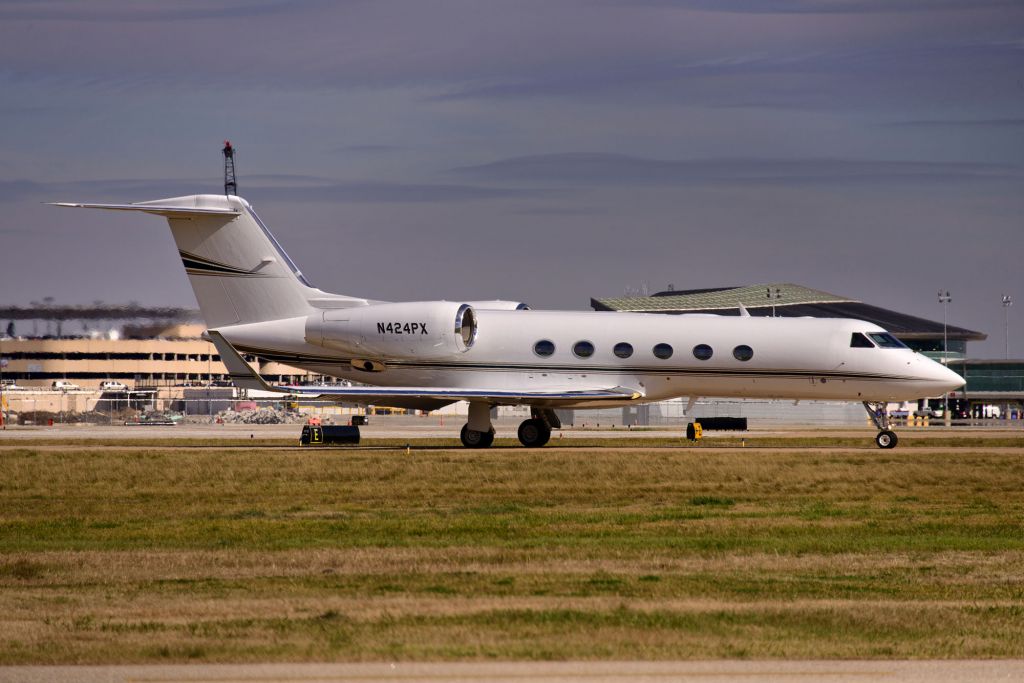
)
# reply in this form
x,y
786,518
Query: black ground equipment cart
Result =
x,y
328,435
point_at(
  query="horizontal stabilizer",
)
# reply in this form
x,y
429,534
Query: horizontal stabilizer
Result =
x,y
155,209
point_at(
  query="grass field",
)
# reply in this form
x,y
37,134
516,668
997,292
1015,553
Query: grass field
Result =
x,y
128,552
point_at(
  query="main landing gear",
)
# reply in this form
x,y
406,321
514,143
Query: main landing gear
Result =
x,y
536,431
478,432
879,414
533,433
471,438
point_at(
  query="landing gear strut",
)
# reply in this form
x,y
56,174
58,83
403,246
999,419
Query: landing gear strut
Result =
x,y
879,414
536,431
478,432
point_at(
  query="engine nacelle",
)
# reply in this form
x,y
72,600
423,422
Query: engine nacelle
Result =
x,y
418,329
498,305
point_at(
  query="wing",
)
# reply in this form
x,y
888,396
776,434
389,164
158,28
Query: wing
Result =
x,y
246,377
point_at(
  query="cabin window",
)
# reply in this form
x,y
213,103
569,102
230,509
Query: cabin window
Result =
x,y
743,352
544,348
859,341
623,350
886,340
662,351
583,349
703,352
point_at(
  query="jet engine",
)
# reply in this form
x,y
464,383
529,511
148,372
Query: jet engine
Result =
x,y
419,329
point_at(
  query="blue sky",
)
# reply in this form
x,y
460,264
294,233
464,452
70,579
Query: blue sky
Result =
x,y
537,151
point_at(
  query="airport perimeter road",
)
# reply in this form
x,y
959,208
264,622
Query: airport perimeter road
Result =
x,y
930,671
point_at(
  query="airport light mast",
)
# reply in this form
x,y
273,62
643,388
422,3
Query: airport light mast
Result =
x,y
1007,302
773,295
3,362
944,299
230,186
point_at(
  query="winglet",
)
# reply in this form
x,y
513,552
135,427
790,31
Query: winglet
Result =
x,y
744,313
241,373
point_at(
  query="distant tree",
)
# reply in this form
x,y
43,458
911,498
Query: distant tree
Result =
x,y
10,329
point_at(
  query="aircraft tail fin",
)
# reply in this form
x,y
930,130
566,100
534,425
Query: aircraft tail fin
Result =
x,y
238,271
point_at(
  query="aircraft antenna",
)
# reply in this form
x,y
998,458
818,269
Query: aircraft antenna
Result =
x,y
230,186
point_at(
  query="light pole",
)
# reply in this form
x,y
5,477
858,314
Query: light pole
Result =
x,y
3,362
944,299
773,294
1007,302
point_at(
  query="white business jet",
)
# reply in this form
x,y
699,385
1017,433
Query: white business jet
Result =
x,y
427,354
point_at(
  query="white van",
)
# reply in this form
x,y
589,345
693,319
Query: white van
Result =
x,y
112,385
64,385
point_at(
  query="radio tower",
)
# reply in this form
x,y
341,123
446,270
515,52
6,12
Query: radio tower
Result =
x,y
230,186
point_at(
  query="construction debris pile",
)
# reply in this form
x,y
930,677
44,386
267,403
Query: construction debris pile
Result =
x,y
260,416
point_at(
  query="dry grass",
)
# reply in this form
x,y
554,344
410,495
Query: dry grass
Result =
x,y
155,554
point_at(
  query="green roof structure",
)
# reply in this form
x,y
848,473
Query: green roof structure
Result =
x,y
786,299
719,298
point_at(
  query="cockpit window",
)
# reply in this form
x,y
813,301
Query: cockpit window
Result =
x,y
859,341
886,340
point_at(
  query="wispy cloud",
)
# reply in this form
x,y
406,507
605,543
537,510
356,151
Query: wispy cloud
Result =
x,y
556,211
601,169
119,11
388,192
957,123
288,188
830,6
367,149
13,190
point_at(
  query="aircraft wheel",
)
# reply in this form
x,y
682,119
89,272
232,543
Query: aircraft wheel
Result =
x,y
474,439
886,439
534,433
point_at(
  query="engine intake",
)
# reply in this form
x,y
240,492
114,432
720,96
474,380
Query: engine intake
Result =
x,y
421,329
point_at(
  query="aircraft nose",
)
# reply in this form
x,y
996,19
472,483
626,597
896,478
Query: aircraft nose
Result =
x,y
940,378
949,379
934,378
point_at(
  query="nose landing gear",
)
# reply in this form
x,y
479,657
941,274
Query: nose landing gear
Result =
x,y
879,414
886,439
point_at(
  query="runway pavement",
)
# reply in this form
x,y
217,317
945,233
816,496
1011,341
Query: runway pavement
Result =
x,y
927,671
433,426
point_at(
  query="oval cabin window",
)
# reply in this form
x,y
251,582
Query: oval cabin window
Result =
x,y
703,352
662,351
623,350
583,349
743,352
544,348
